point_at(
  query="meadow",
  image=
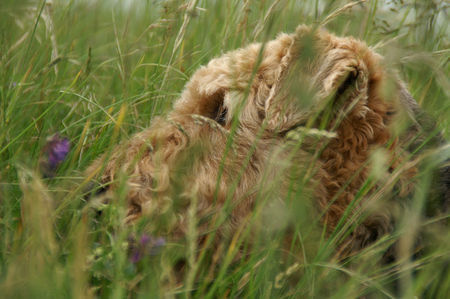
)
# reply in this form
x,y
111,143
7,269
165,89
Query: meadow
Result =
x,y
95,72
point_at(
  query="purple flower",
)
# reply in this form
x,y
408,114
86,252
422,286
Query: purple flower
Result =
x,y
145,239
54,152
57,149
146,246
136,256
14,84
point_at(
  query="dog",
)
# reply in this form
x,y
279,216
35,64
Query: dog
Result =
x,y
303,113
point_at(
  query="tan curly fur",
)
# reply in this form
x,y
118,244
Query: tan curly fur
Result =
x,y
259,95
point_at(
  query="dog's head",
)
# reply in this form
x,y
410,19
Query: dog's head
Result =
x,y
302,79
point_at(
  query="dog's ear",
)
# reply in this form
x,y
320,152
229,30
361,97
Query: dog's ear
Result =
x,y
332,64
215,90
205,94
321,70
342,80
287,104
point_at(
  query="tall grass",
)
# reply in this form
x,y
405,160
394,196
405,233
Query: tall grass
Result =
x,y
98,71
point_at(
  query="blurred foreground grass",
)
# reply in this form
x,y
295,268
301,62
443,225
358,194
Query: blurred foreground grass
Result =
x,y
98,71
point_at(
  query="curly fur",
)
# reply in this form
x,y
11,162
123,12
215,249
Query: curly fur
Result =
x,y
250,93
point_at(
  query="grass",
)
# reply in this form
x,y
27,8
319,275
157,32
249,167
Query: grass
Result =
x,y
98,71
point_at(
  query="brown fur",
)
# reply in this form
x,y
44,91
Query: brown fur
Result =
x,y
340,82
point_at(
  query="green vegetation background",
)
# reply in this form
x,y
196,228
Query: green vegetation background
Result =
x,y
98,71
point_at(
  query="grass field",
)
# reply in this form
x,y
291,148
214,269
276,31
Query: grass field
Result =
x,y
95,72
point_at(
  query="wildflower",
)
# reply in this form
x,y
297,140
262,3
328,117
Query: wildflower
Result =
x,y
146,246
58,148
54,152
